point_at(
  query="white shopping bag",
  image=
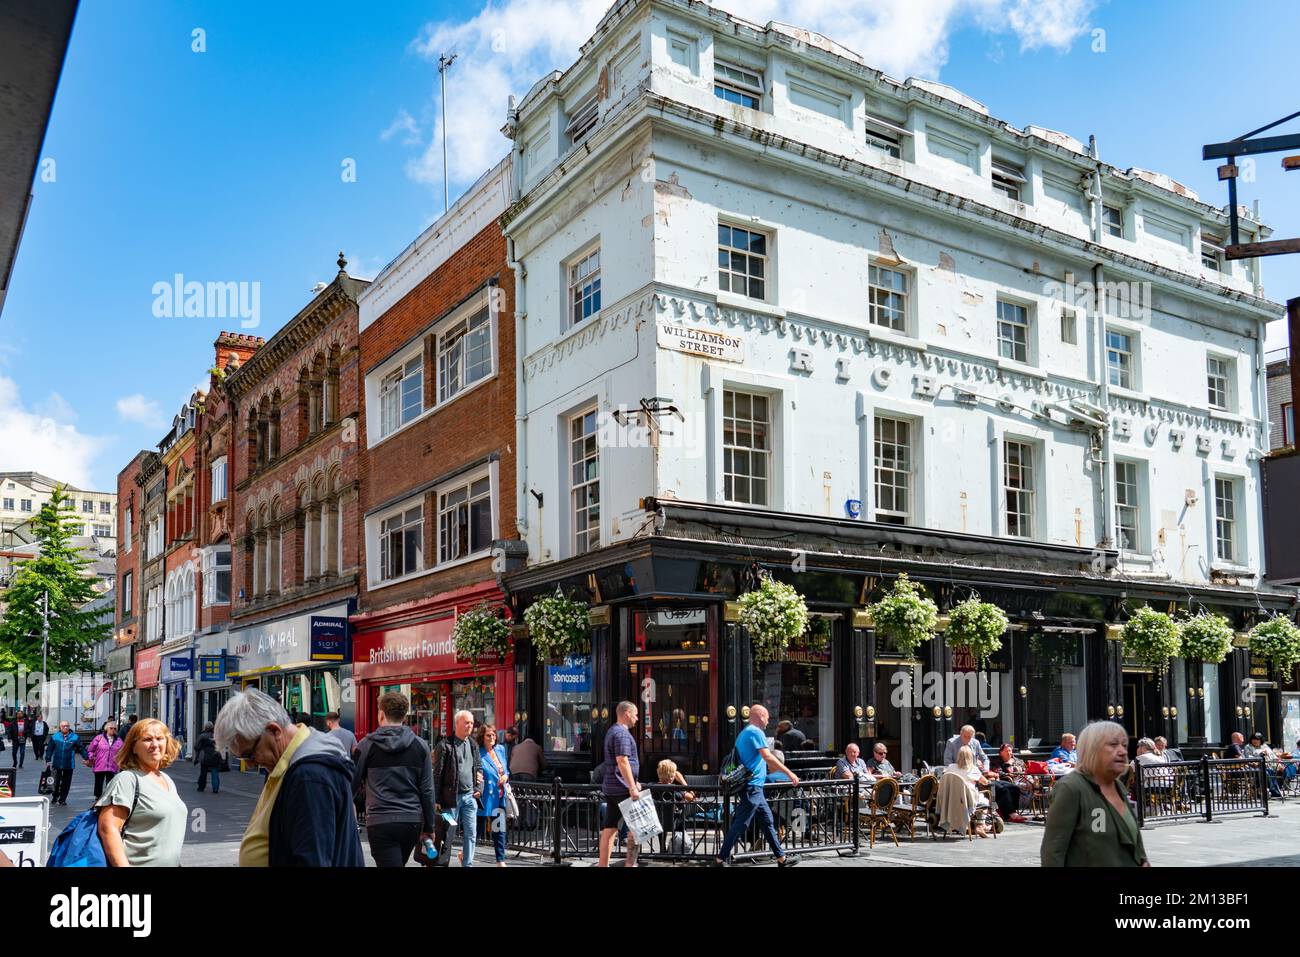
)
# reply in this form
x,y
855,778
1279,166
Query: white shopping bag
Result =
x,y
641,818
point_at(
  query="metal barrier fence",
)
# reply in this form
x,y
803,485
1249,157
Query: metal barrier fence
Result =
x,y
563,821
1198,790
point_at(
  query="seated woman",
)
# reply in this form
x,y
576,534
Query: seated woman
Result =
x,y
1008,771
671,804
966,768
1159,783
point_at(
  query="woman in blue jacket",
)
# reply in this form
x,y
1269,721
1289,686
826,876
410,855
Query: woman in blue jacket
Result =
x,y
492,810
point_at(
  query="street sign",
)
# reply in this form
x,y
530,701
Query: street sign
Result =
x,y
24,824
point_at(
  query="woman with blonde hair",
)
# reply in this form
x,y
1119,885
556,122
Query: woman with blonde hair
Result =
x,y
1090,823
142,821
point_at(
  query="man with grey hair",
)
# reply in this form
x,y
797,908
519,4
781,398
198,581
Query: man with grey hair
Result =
x,y
304,816
753,752
457,783
965,739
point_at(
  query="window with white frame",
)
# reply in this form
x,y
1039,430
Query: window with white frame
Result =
x,y
127,524
885,137
87,506
1069,327
154,542
1128,506
401,543
1119,359
1019,487
105,508
1212,253
216,576
465,519
401,395
584,287
738,84
464,354
1218,377
742,261
1112,221
893,466
153,614
103,531
9,505
1013,331
219,479
1008,178
1226,544
746,447
888,292
583,119
25,505
584,487
128,581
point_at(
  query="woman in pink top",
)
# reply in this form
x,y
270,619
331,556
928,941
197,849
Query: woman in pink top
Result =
x,y
101,756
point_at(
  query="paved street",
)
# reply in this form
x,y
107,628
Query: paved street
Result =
x,y
1237,841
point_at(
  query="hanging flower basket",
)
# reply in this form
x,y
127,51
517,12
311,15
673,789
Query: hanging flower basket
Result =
x,y
1152,637
977,626
1208,637
1278,641
906,615
818,633
773,614
558,626
480,632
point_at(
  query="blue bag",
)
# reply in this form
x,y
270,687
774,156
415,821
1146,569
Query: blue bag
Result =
x,y
79,845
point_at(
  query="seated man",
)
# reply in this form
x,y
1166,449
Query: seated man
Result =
x,y
1065,753
788,737
851,763
965,739
1148,754
879,764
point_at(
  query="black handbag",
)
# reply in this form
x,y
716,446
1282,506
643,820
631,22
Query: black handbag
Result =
x,y
737,779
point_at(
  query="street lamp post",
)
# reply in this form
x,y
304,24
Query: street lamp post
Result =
x,y
444,64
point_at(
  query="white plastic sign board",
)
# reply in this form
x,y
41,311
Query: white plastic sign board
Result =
x,y
24,826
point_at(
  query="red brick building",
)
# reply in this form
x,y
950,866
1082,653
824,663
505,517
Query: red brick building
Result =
x,y
212,528
294,465
130,610
438,470
180,570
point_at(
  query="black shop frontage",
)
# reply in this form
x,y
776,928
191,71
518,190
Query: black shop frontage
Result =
x,y
665,633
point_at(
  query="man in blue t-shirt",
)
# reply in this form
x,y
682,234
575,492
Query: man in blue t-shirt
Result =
x,y
753,752
1065,754
620,782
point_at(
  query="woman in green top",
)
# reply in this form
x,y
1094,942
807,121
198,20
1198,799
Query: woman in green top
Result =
x,y
1090,823
142,817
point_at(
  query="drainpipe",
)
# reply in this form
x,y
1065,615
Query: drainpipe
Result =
x,y
521,348
1106,464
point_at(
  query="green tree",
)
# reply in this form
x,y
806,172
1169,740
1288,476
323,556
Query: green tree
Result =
x,y
59,569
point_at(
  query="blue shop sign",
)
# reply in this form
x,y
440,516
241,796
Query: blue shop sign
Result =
x,y
212,667
179,665
329,638
574,676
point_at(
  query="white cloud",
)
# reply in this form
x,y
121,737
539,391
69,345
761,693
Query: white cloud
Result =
x,y
405,123
56,407
30,440
136,408
510,45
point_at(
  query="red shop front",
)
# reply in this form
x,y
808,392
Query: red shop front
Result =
x,y
409,648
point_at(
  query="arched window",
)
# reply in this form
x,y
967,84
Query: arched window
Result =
x,y
186,623
169,606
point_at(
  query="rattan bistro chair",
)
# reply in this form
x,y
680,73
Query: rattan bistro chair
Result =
x,y
923,795
879,814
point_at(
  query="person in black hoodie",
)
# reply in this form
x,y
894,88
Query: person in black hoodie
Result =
x,y
304,816
395,771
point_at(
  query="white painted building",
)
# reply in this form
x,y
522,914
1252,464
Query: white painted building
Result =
x,y
863,309
895,290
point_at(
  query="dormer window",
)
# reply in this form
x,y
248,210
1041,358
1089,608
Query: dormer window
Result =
x,y
1008,179
583,119
737,84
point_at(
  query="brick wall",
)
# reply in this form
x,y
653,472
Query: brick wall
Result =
x,y
129,499
1279,392
308,466
467,429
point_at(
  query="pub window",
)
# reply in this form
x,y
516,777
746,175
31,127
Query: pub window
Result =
x,y
1019,488
893,463
888,298
1218,377
584,287
569,704
1057,687
669,660
1226,545
747,448
1210,681
1128,506
1119,359
584,462
799,692
1013,331
742,262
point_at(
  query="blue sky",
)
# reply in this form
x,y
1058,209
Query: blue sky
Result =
x,y
227,165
